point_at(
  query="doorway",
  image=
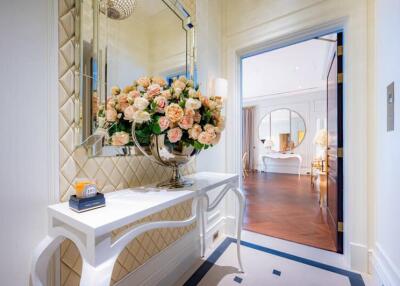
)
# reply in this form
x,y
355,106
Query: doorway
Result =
x,y
292,138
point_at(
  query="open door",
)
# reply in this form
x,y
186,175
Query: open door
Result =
x,y
335,145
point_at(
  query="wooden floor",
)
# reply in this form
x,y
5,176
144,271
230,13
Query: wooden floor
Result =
x,y
283,206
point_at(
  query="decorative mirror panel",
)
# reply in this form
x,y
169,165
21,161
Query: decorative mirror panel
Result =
x,y
282,130
120,41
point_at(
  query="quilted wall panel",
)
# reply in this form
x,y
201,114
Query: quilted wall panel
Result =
x,y
111,174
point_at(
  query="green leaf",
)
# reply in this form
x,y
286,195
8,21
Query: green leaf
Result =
x,y
197,145
156,128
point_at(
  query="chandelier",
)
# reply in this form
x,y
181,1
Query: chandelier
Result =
x,y
117,9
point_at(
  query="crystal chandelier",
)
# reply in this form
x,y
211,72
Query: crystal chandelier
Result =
x,y
118,9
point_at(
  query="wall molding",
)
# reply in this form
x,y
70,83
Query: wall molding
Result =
x,y
384,270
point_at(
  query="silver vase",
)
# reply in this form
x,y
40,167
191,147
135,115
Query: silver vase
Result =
x,y
170,155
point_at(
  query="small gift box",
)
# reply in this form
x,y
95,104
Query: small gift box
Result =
x,y
85,204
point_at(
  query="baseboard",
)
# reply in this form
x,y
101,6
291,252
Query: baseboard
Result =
x,y
168,266
359,257
385,271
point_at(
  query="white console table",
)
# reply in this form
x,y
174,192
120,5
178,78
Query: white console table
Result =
x,y
282,156
92,231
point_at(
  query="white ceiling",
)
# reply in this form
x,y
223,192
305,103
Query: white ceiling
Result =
x,y
291,69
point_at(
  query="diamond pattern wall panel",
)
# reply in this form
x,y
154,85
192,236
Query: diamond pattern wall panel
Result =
x,y
111,173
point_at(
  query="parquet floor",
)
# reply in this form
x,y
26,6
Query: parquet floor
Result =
x,y
283,206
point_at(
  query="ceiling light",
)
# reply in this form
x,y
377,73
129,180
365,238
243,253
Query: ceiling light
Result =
x,y
297,68
117,9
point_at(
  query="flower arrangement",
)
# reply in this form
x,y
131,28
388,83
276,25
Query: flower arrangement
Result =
x,y
178,110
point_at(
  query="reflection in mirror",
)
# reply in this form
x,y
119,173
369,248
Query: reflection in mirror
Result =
x,y
156,38
282,130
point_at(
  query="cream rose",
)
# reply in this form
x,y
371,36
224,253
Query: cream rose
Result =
x,y
163,122
115,90
141,116
128,88
174,112
177,92
159,80
193,103
220,124
186,122
167,94
161,103
189,112
141,103
178,84
195,131
143,81
120,138
129,112
111,115
206,137
133,94
192,93
153,90
174,135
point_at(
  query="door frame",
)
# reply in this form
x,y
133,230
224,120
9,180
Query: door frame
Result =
x,y
355,241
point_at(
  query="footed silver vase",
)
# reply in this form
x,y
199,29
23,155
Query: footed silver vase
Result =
x,y
170,155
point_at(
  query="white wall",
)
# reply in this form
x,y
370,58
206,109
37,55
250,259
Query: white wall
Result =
x,y
25,149
310,106
387,246
209,45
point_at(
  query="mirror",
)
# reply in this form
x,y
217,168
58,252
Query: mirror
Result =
x,y
120,41
282,130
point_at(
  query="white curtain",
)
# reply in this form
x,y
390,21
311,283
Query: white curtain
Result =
x,y
248,137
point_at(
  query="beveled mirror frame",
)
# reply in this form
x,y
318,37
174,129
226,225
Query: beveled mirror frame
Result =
x,y
94,144
290,112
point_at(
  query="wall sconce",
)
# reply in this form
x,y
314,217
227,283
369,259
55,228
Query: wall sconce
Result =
x,y
220,88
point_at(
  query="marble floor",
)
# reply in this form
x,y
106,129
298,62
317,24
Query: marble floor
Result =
x,y
269,261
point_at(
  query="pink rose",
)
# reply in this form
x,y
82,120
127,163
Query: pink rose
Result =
x,y
120,139
122,101
186,122
195,131
129,112
153,90
163,122
197,117
134,93
174,135
161,103
215,141
111,115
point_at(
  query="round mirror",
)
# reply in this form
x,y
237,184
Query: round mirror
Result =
x,y
282,130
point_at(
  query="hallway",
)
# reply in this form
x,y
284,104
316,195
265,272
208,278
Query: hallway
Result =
x,y
282,206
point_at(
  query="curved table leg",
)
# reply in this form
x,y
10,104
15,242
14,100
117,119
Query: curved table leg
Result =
x,y
203,227
241,200
41,258
100,275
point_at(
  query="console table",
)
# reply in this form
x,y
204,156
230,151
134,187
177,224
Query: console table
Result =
x,y
282,156
92,231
